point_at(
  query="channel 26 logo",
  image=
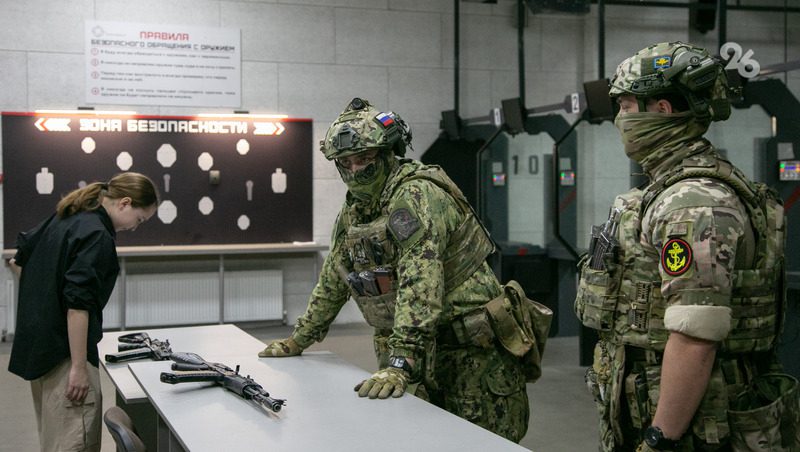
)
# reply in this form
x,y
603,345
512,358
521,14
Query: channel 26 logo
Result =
x,y
743,63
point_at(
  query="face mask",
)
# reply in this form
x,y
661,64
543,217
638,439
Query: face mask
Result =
x,y
366,184
649,138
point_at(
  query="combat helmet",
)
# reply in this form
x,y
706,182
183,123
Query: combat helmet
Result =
x,y
361,127
676,67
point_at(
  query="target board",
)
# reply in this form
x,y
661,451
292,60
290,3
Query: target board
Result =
x,y
222,180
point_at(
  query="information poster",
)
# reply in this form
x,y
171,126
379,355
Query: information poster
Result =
x,y
223,180
146,64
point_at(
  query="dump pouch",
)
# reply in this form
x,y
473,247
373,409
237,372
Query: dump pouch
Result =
x,y
767,415
521,326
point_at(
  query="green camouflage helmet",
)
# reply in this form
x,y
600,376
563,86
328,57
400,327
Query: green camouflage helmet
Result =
x,y
361,127
676,67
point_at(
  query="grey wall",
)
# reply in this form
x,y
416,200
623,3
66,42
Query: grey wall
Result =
x,y
308,58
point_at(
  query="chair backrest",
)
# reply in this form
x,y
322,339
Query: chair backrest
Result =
x,y
122,430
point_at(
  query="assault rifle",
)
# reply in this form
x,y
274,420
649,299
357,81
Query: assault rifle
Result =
x,y
140,345
190,367
604,241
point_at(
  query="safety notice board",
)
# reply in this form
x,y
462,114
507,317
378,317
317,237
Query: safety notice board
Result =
x,y
223,180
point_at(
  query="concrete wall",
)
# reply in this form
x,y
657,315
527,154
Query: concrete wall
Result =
x,y
308,58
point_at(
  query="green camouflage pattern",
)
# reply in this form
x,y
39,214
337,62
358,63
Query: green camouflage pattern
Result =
x,y
702,200
423,307
676,67
358,129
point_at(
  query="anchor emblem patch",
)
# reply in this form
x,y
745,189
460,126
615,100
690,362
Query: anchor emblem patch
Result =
x,y
676,257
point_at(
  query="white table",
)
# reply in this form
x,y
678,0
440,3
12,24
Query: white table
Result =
x,y
203,340
322,411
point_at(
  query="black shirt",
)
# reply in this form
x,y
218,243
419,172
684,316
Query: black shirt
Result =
x,y
67,263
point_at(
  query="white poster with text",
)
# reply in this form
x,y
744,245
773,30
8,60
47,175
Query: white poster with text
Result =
x,y
146,64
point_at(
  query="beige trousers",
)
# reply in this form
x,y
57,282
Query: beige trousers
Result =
x,y
64,425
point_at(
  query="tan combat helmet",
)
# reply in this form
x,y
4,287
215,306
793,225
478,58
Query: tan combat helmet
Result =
x,y
676,67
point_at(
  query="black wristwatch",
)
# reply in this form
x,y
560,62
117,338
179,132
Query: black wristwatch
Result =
x,y
400,362
654,438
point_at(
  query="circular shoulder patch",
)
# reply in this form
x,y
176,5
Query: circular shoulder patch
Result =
x,y
403,224
676,257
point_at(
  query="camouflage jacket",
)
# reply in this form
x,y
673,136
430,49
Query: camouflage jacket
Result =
x,y
415,224
688,261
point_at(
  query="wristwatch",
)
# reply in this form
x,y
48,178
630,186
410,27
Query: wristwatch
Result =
x,y
654,438
400,362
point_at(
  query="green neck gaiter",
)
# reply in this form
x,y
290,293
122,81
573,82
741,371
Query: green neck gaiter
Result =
x,y
365,186
654,139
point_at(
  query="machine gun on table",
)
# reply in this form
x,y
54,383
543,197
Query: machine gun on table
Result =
x,y
191,367
140,345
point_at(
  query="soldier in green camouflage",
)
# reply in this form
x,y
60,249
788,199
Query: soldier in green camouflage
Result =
x,y
684,281
409,250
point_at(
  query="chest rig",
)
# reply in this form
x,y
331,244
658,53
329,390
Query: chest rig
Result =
x,y
622,298
373,252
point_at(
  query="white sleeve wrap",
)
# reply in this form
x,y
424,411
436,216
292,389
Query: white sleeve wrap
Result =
x,y
712,323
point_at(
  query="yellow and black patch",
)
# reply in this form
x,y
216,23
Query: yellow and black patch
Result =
x,y
676,257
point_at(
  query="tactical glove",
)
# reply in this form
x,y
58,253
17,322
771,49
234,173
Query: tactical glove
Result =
x,y
383,383
643,447
281,348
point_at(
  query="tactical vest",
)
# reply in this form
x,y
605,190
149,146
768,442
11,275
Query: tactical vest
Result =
x,y
624,302
371,246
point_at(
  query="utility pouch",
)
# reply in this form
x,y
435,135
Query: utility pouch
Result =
x,y
474,328
378,311
767,415
521,326
638,401
596,301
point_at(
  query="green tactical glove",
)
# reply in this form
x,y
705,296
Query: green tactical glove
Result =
x,y
385,382
643,447
281,348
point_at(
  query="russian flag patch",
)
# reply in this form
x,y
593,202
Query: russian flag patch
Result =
x,y
385,118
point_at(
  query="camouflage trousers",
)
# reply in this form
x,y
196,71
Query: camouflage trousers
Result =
x,y
485,386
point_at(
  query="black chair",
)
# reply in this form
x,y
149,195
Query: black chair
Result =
x,y
122,430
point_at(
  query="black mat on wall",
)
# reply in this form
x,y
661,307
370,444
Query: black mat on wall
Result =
x,y
273,216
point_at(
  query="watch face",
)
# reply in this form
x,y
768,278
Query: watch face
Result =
x,y
651,436
398,361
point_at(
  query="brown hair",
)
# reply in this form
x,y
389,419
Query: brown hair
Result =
x,y
138,187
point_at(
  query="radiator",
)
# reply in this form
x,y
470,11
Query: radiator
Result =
x,y
111,313
171,299
193,298
253,295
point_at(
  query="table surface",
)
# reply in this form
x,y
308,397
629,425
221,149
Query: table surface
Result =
x,y
322,410
210,339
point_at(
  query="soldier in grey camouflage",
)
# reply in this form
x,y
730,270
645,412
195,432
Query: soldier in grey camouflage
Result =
x,y
409,250
687,296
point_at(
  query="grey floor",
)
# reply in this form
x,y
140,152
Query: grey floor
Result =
x,y
562,413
